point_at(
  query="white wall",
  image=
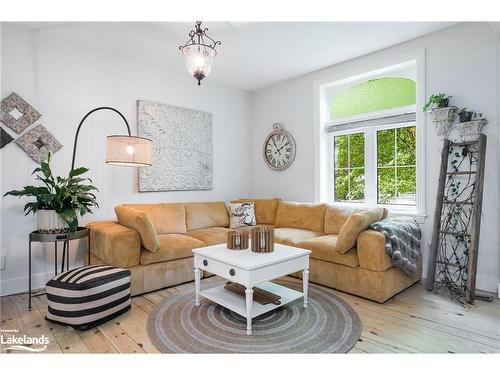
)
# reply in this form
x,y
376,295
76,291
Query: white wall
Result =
x,y
461,61
63,81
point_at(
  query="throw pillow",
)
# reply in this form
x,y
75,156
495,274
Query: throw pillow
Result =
x,y
241,214
356,223
139,221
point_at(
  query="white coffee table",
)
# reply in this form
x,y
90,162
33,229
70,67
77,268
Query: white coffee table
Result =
x,y
250,270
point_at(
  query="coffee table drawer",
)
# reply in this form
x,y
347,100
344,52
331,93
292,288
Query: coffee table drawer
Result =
x,y
221,269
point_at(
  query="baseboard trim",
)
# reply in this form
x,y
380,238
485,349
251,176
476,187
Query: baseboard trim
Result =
x,y
20,284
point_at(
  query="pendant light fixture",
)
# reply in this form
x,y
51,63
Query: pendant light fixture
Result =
x,y
199,52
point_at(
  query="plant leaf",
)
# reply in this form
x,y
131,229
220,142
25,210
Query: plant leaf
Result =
x,y
78,171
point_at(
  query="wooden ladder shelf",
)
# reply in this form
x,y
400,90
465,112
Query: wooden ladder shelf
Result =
x,y
457,220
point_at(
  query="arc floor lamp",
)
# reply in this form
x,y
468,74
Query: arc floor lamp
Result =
x,y
125,150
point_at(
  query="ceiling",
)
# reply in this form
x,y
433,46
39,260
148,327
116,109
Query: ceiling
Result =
x,y
253,55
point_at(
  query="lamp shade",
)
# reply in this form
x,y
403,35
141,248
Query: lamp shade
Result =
x,y
199,60
129,151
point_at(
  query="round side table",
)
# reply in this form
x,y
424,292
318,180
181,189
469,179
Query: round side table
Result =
x,y
37,236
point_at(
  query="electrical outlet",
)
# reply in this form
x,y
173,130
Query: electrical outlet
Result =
x,y
2,263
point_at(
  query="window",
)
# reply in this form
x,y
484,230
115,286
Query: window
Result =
x,y
349,167
371,154
396,166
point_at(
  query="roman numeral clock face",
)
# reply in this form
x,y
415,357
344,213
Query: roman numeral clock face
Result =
x,y
279,150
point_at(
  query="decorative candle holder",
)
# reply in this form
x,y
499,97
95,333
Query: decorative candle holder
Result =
x,y
238,240
263,240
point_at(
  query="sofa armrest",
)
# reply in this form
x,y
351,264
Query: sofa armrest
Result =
x,y
115,244
371,251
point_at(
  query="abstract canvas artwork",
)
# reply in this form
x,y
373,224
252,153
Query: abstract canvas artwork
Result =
x,y
38,142
182,147
17,113
5,138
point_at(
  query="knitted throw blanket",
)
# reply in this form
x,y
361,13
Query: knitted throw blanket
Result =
x,y
402,241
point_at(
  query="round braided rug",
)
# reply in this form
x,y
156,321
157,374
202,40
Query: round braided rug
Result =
x,y
328,325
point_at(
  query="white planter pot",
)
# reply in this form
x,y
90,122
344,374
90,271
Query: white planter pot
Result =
x,y
470,130
443,128
49,221
443,114
442,119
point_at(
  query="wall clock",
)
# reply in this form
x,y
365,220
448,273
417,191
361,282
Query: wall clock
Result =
x,y
279,148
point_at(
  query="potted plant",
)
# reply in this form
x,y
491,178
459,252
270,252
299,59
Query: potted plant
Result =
x,y
437,101
464,115
442,113
471,124
59,202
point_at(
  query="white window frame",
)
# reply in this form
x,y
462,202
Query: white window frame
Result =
x,y
371,180
324,156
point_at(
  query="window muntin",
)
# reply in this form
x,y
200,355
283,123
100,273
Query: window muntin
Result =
x,y
349,167
396,166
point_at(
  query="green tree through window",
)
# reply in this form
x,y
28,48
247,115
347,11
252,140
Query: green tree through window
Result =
x,y
396,166
391,156
349,167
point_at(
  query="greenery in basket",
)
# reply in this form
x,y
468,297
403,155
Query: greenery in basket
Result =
x,y
437,101
67,196
465,115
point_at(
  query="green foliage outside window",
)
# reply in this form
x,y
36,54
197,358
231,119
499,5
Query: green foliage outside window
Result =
x,y
349,167
396,148
396,166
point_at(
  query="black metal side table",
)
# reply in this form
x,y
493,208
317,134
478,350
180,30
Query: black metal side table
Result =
x,y
37,236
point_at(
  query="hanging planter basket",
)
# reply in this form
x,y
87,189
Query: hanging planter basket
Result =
x,y
49,221
470,130
443,119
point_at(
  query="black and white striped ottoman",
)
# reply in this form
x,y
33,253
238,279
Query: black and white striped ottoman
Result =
x,y
88,296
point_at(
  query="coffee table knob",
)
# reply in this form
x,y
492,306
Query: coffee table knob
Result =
x,y
205,262
232,272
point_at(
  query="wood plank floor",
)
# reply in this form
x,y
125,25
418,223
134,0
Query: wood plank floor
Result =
x,y
414,321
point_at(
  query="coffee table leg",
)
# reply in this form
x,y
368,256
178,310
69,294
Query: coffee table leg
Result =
x,y
249,301
305,284
197,285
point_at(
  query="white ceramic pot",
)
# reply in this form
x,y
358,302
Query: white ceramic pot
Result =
x,y
49,221
443,114
443,119
470,130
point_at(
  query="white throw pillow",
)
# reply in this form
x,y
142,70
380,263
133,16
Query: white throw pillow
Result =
x,y
241,214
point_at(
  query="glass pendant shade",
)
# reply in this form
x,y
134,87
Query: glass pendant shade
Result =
x,y
199,60
129,151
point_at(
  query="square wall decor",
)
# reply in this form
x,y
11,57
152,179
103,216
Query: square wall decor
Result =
x,y
38,142
5,138
17,113
182,147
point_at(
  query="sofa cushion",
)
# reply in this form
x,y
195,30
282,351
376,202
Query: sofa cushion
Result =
x,y
292,236
323,248
336,216
301,216
200,215
241,214
265,209
139,221
210,236
173,246
166,217
356,223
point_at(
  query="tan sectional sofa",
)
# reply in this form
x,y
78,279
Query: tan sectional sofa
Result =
x,y
156,241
